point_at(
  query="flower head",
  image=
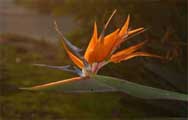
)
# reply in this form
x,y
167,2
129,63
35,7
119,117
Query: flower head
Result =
x,y
102,48
101,51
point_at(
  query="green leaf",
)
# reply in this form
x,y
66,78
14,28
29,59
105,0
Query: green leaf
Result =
x,y
138,90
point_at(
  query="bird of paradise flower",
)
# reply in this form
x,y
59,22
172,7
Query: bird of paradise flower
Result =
x,y
101,51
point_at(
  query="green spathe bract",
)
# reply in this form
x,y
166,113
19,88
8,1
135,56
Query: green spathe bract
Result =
x,y
138,90
100,83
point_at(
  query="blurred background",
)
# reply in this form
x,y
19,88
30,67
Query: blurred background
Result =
x,y
27,36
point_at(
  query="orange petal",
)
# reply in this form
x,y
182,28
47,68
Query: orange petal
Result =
x,y
104,48
136,54
123,32
89,56
53,84
101,37
135,30
121,54
124,29
73,57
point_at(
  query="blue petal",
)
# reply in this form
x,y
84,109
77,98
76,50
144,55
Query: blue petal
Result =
x,y
67,68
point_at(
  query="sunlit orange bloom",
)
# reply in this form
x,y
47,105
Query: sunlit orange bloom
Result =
x,y
99,50
102,49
